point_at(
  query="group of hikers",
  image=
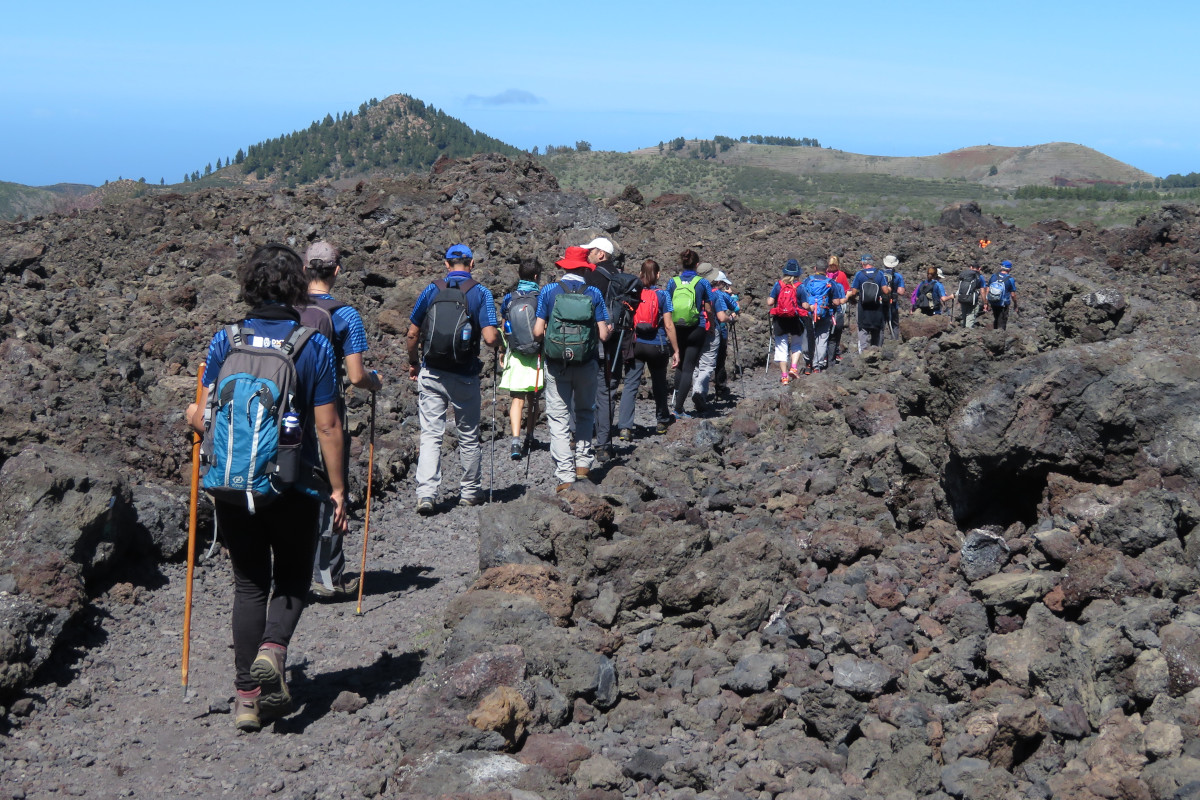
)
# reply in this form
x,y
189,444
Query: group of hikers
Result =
x,y
271,413
808,313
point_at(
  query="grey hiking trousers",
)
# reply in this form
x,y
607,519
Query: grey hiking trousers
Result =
x,y
439,392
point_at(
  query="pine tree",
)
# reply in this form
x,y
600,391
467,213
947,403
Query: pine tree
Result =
x,y
240,157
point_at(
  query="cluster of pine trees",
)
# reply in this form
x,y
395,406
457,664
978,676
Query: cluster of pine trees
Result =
x,y
708,148
406,136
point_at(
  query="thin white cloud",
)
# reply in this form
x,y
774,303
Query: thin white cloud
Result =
x,y
509,97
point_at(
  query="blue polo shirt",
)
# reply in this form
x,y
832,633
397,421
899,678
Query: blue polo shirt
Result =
x,y
481,308
315,370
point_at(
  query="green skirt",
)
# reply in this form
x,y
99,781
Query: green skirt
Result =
x,y
522,373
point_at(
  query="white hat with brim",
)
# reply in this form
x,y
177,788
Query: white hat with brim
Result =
x,y
891,262
600,243
723,278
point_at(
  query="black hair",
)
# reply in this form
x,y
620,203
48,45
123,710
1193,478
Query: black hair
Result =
x,y
459,261
530,269
321,270
688,259
273,273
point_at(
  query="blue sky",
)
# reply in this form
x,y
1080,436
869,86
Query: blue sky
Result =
x,y
94,91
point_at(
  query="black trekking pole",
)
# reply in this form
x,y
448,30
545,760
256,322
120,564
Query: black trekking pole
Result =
x,y
495,380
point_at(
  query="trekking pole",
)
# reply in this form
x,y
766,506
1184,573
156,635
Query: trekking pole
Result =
x,y
495,380
770,352
737,369
362,570
191,551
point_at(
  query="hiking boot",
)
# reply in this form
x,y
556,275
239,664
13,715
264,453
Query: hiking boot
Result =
x,y
425,506
661,428
515,455
683,415
347,588
471,500
837,359
245,711
625,435
274,699
785,379
808,369
581,473
794,372
562,487
700,402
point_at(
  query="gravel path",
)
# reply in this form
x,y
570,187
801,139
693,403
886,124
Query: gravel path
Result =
x,y
108,719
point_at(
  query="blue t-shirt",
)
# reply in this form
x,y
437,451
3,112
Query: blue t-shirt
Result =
x,y
665,306
870,274
481,308
350,337
704,291
1010,286
315,369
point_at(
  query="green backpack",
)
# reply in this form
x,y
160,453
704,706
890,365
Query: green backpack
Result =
x,y
684,299
571,335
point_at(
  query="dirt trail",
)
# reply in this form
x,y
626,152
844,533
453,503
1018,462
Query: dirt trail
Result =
x,y
109,719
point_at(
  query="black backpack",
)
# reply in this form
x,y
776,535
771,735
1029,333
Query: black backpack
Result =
x,y
448,338
522,315
927,299
968,288
871,294
623,297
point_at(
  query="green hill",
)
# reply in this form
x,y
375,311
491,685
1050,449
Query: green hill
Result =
x,y
18,200
396,134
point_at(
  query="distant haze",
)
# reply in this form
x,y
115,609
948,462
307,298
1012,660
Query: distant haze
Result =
x,y
138,90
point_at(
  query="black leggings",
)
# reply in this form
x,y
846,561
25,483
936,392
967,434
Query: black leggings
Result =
x,y
275,544
691,345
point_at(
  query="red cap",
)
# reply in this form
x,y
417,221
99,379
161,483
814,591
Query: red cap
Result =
x,y
575,258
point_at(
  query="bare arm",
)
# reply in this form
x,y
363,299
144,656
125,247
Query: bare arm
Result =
x,y
491,336
329,435
604,329
195,411
411,340
358,376
539,329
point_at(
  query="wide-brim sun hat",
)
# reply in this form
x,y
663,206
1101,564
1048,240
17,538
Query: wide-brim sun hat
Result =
x,y
891,262
575,258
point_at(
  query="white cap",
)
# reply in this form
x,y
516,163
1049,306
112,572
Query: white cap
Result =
x,y
723,278
600,243
890,261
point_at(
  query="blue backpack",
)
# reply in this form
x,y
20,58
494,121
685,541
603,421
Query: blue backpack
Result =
x,y
819,291
254,389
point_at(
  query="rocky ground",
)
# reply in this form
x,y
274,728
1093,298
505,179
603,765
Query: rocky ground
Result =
x,y
962,566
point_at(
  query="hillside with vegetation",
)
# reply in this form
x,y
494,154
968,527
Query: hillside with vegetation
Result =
x,y
18,200
1053,164
771,181
396,134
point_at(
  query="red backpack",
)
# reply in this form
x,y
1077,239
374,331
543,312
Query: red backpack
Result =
x,y
786,304
647,319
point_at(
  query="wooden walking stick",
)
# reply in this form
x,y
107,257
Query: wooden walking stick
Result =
x,y
191,550
362,572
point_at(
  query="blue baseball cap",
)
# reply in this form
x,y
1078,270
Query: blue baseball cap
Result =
x,y
867,258
459,251
1005,265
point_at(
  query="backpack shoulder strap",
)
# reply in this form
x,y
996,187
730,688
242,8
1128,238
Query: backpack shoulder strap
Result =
x,y
234,334
296,340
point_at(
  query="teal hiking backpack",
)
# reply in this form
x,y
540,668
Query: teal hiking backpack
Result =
x,y
253,391
687,312
571,334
